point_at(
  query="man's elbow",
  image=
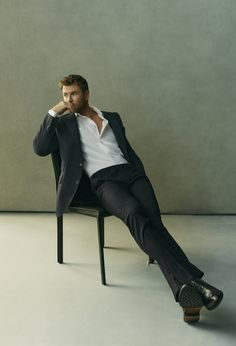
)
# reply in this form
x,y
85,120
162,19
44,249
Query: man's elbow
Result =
x,y
38,150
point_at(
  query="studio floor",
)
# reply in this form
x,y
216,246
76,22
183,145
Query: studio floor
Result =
x,y
44,303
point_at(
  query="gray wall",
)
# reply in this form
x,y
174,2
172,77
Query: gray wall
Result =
x,y
168,68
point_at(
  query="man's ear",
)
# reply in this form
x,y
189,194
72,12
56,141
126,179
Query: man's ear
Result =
x,y
86,95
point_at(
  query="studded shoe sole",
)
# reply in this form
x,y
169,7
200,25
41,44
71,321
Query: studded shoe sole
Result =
x,y
191,302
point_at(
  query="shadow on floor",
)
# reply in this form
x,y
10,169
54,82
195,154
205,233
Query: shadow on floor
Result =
x,y
221,321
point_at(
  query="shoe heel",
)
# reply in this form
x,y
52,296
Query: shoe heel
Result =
x,y
191,302
191,314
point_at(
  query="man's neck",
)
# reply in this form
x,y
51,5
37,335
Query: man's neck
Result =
x,y
88,112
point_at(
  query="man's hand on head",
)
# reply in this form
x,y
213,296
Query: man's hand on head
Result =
x,y
61,107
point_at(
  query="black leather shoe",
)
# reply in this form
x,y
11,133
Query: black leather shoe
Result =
x,y
211,296
191,302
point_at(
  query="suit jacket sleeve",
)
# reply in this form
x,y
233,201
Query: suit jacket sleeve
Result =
x,y
134,157
45,141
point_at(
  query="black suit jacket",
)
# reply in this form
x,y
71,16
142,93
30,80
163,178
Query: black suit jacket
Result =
x,y
62,133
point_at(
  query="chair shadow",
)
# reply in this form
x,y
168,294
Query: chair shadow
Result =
x,y
123,248
87,266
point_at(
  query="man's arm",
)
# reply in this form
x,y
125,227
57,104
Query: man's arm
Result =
x,y
45,141
136,160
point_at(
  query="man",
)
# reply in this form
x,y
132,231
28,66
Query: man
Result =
x,y
95,151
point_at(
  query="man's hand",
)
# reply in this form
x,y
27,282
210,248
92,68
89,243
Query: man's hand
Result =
x,y
61,107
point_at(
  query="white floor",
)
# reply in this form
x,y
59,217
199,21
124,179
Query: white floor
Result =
x,y
43,303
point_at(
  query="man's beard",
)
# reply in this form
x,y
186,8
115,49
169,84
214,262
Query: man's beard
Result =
x,y
78,108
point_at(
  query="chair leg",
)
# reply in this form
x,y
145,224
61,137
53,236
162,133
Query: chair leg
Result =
x,y
102,234
60,239
100,227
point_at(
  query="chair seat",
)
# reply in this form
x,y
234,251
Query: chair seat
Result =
x,y
88,208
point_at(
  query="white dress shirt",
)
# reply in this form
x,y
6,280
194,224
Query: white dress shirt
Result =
x,y
100,150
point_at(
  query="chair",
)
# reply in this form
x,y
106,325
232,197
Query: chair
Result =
x,y
86,204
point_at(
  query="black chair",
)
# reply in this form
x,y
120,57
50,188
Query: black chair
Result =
x,y
86,204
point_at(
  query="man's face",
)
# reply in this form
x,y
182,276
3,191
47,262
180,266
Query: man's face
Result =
x,y
75,98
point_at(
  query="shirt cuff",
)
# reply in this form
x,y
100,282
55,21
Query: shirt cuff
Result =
x,y
52,113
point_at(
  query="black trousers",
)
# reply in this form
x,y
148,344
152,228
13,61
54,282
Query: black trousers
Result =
x,y
127,193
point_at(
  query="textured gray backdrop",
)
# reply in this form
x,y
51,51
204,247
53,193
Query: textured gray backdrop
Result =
x,y
168,68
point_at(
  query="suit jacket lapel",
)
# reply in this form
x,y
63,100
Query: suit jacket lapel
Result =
x,y
117,130
72,125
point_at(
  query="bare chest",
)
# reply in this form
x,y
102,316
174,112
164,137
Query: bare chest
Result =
x,y
98,121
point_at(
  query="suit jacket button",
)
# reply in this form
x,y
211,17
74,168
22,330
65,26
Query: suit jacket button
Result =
x,y
77,182
81,164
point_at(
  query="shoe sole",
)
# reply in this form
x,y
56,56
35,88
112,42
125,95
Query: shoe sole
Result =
x,y
191,302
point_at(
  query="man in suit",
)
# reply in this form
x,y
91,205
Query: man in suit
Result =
x,y
99,163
